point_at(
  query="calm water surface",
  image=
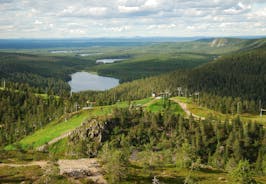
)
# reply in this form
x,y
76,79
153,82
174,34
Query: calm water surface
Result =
x,y
82,81
106,61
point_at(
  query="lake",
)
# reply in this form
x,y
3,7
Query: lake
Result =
x,y
105,61
90,54
82,81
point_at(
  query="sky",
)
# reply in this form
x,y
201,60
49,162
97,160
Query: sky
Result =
x,y
129,18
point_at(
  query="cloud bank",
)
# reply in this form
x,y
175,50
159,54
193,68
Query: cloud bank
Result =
x,y
114,18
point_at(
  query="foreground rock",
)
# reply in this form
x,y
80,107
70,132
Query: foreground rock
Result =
x,y
82,168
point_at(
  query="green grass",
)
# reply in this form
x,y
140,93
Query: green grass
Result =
x,y
55,128
205,112
160,105
51,131
59,148
182,99
141,102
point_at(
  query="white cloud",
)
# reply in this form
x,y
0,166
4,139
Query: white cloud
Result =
x,y
161,26
118,29
38,22
151,4
193,12
92,18
126,9
73,11
240,8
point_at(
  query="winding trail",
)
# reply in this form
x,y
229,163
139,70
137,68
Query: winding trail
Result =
x,y
186,110
150,102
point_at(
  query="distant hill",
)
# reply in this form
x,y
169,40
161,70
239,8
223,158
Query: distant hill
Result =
x,y
110,42
232,44
238,74
87,42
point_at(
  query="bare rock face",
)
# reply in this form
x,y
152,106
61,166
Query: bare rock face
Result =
x,y
90,136
219,42
78,173
81,168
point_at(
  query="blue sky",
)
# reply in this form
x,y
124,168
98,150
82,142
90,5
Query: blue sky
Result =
x,y
127,18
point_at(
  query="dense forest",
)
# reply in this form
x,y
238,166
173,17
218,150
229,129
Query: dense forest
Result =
x,y
23,112
146,65
171,139
228,105
237,75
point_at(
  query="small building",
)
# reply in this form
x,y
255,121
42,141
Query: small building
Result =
x,y
158,95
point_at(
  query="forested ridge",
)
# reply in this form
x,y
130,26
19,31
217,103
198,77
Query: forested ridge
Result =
x,y
168,139
238,75
23,111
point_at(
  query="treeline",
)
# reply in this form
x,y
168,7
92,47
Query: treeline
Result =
x,y
179,141
22,112
228,105
37,83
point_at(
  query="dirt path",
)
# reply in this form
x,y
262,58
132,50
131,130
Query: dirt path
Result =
x,y
186,110
41,163
85,166
149,103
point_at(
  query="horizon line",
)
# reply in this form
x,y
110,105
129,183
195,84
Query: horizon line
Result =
x,y
132,37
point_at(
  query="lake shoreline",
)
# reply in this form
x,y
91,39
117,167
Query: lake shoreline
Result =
x,y
85,81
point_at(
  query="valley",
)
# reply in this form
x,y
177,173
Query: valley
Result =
x,y
181,112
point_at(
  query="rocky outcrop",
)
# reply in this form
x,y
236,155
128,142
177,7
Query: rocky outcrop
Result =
x,y
81,168
219,42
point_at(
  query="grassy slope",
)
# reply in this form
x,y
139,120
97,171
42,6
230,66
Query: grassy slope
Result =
x,y
51,131
158,106
55,128
205,112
